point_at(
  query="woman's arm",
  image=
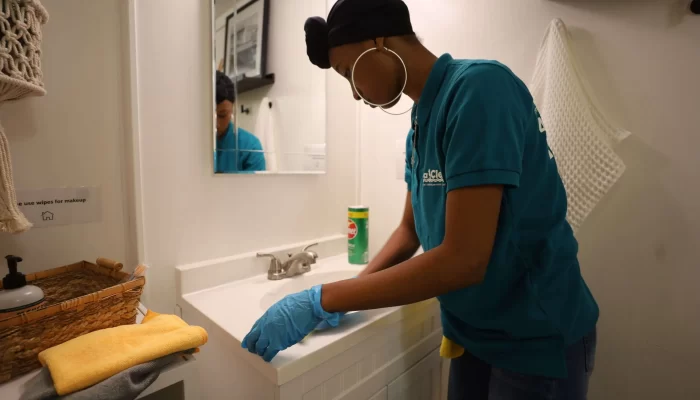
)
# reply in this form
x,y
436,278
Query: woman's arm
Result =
x,y
471,221
401,246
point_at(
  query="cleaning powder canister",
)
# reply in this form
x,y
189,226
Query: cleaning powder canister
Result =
x,y
358,235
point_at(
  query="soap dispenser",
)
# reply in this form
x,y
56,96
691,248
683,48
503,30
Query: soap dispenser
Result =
x,y
16,295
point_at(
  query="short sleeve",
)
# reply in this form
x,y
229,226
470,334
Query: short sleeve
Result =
x,y
485,133
256,161
409,152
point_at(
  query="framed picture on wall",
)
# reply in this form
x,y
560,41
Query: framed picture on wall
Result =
x,y
245,51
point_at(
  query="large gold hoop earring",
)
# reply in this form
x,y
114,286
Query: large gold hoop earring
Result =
x,y
405,82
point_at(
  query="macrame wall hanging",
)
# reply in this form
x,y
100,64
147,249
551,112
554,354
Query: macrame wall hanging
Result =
x,y
20,77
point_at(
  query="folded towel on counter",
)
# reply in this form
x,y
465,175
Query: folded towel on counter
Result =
x,y
126,385
92,358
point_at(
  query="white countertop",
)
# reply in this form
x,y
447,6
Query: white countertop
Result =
x,y
234,307
173,373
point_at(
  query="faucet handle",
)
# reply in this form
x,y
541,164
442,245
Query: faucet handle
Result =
x,y
275,271
275,263
262,255
312,252
309,246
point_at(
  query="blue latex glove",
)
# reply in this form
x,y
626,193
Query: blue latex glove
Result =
x,y
287,322
325,325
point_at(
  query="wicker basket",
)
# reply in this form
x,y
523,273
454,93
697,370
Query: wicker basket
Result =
x,y
80,298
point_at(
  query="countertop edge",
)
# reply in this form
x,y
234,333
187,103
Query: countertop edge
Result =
x,y
288,372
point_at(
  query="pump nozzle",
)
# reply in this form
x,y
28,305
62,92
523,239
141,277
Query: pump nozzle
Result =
x,y
14,279
12,263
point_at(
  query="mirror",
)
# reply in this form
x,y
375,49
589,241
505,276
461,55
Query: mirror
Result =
x,y
269,100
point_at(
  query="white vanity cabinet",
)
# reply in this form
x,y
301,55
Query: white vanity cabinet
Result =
x,y
400,362
382,395
385,354
422,382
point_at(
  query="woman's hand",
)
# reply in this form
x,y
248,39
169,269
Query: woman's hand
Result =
x,y
287,322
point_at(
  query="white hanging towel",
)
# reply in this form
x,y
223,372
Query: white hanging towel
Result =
x,y
20,77
11,218
265,130
578,133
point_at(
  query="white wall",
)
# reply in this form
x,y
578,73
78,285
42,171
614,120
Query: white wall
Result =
x,y
188,213
639,249
74,136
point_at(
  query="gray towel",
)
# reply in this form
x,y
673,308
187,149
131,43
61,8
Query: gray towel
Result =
x,y
126,385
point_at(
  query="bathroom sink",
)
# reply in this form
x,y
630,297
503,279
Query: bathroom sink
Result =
x,y
235,306
302,282
231,309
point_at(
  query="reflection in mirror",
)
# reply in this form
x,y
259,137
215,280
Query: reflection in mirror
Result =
x,y
241,152
270,101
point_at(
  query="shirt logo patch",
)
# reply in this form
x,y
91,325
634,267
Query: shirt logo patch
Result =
x,y
433,178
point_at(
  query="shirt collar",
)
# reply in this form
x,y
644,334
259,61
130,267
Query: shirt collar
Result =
x,y
228,132
431,89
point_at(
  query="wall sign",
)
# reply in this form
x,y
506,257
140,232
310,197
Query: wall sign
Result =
x,y
61,206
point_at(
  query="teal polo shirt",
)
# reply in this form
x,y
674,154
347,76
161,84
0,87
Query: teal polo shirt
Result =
x,y
246,156
476,124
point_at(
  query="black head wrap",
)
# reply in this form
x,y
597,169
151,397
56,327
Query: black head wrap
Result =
x,y
353,21
225,89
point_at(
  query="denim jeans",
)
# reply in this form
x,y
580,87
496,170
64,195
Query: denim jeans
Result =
x,y
473,379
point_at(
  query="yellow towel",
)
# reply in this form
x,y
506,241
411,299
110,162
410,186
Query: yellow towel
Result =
x,y
450,349
92,358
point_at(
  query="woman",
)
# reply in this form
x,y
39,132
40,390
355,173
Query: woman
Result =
x,y
486,203
239,152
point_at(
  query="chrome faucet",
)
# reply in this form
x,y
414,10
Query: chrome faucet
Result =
x,y
297,264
